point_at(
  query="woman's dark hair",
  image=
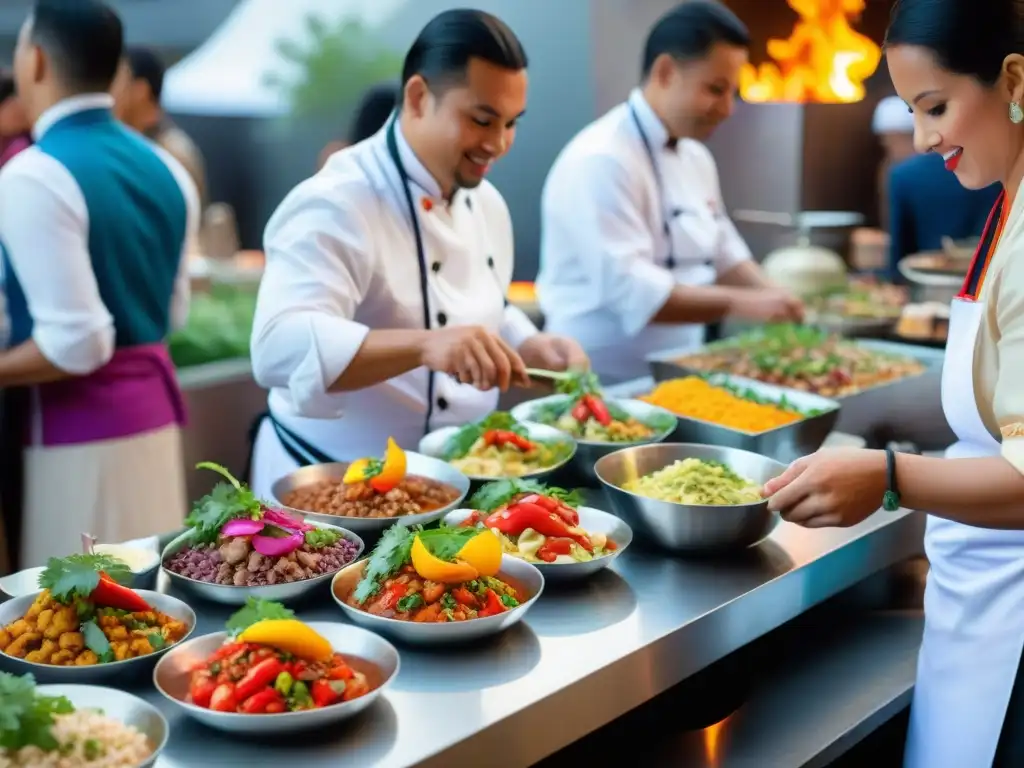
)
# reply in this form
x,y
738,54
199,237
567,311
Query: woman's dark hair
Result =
x,y
373,111
443,49
966,37
691,29
6,85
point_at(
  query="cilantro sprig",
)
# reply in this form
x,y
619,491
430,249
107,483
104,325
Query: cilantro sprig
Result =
x,y
77,576
395,550
256,610
578,383
500,492
461,442
225,502
27,718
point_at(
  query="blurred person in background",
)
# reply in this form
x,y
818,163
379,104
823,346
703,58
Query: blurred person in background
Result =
x,y
137,90
637,251
373,111
893,125
93,221
15,130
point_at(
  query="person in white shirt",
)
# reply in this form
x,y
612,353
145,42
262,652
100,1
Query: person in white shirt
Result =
x,y
382,309
636,248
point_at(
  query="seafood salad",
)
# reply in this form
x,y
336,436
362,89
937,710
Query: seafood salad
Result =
x,y
235,540
438,575
374,488
536,523
86,616
499,446
272,663
38,731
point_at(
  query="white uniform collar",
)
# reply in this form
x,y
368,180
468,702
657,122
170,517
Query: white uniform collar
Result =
x,y
654,129
70,106
417,172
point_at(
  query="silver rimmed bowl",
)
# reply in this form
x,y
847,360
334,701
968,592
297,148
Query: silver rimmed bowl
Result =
x,y
588,452
123,707
434,444
115,672
592,521
366,652
689,527
228,594
523,574
370,528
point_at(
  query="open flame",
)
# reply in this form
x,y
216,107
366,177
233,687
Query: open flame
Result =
x,y
823,60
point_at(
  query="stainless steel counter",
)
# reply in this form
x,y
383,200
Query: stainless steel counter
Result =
x,y
583,657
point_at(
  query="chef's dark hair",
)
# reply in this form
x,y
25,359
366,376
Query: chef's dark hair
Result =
x,y
967,37
146,65
443,49
373,111
6,85
83,40
690,30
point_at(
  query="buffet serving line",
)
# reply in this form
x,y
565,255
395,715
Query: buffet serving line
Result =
x,y
504,603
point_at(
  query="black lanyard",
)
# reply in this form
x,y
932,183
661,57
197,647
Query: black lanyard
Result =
x,y
670,260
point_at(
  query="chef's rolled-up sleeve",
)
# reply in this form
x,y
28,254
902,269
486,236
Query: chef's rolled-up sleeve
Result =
x,y
1008,398
318,270
600,212
44,227
516,327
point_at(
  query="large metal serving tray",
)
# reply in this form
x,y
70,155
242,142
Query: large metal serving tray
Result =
x,y
908,409
784,444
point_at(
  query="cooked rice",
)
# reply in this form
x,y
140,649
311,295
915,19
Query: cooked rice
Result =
x,y
79,733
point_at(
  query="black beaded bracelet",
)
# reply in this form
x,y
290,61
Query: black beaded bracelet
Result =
x,y
891,497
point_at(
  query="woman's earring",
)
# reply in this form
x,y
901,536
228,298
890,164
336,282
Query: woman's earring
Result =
x,y
1016,113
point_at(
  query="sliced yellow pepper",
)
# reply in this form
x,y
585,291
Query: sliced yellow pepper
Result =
x,y
480,556
483,552
291,636
382,475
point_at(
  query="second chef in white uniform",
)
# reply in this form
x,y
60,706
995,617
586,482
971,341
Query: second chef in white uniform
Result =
x,y
634,231
382,309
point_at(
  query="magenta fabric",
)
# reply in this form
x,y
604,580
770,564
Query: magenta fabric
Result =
x,y
13,146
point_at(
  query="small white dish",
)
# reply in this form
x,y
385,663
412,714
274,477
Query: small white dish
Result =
x,y
24,582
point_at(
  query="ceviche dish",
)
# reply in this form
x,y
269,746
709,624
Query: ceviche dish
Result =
x,y
499,446
272,663
38,731
586,415
536,523
236,540
86,616
374,488
438,575
696,482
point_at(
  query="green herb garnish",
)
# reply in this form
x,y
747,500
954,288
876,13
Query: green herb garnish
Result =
x,y
410,603
156,640
77,576
253,611
460,443
500,492
97,642
26,718
225,502
319,538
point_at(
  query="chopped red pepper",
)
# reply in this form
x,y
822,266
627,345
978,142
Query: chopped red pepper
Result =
x,y
201,689
323,693
341,671
610,545
464,597
226,651
563,510
472,520
597,407
515,519
391,597
224,699
492,605
260,702
258,678
500,437
552,548
580,412
110,594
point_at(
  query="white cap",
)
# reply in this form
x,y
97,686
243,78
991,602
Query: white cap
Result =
x,y
892,116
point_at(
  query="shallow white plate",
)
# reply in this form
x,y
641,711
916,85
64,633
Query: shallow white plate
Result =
x,y
24,582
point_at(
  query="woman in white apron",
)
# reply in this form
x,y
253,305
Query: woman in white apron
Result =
x,y
382,310
637,252
967,710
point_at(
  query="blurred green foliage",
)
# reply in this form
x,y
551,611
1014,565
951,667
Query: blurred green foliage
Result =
x,y
333,66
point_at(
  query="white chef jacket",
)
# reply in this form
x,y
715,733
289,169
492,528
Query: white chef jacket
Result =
x,y
605,266
342,260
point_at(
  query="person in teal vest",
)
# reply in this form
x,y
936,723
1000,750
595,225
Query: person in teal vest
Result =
x,y
94,227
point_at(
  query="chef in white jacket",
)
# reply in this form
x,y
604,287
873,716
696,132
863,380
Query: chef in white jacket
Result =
x,y
382,309
637,252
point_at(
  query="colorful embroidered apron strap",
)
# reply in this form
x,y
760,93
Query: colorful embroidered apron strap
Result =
x,y
975,279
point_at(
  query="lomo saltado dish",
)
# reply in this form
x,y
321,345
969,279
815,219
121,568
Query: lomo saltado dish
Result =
x,y
439,575
272,663
536,523
86,616
499,446
374,488
239,541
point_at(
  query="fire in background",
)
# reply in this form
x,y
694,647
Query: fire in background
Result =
x,y
824,59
